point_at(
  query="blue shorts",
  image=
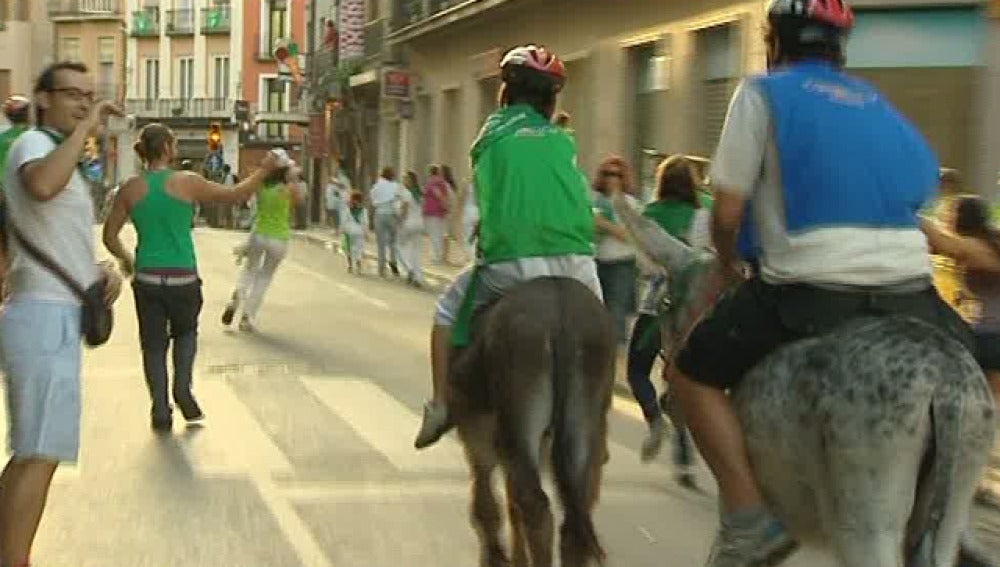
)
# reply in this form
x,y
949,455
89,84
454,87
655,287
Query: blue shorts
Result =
x,y
40,351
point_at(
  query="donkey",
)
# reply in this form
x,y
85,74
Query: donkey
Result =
x,y
869,440
540,368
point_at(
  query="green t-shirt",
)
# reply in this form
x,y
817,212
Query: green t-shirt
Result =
x,y
274,207
163,226
533,199
7,139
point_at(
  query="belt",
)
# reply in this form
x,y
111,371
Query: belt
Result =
x,y
156,279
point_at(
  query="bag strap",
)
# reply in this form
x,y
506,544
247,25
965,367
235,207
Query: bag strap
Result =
x,y
47,262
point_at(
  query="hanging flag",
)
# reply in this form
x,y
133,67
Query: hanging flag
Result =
x,y
351,19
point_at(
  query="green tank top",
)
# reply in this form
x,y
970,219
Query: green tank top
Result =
x,y
163,226
274,206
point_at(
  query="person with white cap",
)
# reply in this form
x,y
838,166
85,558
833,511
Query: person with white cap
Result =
x,y
268,242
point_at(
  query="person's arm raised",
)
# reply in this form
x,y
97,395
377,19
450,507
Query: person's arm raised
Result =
x,y
201,190
47,177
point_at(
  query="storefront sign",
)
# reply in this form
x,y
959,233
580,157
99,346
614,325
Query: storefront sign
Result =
x,y
395,84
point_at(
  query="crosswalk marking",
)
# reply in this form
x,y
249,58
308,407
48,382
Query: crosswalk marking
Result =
x,y
232,440
385,424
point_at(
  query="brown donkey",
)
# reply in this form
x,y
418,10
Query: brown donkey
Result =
x,y
540,369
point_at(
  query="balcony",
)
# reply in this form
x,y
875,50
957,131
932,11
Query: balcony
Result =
x,y
180,22
216,20
177,111
414,17
74,10
146,23
265,47
375,38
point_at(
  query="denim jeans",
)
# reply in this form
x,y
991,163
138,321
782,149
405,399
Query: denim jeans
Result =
x,y
169,313
618,282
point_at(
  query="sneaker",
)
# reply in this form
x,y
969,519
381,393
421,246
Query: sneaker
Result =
x,y
228,314
434,425
195,421
162,424
761,542
654,439
246,325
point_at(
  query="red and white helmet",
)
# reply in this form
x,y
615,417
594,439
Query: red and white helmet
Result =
x,y
17,108
833,13
533,58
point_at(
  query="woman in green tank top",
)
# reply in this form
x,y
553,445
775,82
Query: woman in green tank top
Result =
x,y
268,244
167,288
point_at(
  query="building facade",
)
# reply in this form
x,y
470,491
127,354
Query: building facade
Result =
x,y
184,69
649,76
26,42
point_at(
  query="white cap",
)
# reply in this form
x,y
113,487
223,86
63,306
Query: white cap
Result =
x,y
283,159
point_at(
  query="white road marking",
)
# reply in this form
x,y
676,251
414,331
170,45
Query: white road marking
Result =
x,y
296,532
348,289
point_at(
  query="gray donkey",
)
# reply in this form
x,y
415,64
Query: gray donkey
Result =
x,y
869,440
539,372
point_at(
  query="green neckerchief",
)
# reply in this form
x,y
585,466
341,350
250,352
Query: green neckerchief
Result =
x,y
356,213
417,192
57,138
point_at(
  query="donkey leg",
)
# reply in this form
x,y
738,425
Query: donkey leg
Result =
x,y
477,439
531,506
518,536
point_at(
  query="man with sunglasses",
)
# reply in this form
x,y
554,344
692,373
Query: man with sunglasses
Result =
x,y
50,207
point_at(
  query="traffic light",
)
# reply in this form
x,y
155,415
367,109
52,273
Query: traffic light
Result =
x,y
214,136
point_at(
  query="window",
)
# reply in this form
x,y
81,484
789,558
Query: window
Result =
x,y
152,79
185,78
220,79
275,101
371,10
276,23
69,48
106,49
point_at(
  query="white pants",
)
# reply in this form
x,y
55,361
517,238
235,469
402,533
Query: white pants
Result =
x,y
411,252
263,257
497,278
436,230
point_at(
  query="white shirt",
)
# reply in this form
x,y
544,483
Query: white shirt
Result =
x,y
610,249
384,195
747,163
62,227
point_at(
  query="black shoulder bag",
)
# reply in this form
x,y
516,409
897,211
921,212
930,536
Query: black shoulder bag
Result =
x,y
97,318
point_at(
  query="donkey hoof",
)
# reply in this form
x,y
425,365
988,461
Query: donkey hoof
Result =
x,y
494,558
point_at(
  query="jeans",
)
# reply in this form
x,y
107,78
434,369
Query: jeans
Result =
x,y
386,238
169,313
618,282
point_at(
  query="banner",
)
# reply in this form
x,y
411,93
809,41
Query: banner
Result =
x,y
351,21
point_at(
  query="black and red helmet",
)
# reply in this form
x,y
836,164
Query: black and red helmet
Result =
x,y
17,109
533,62
833,13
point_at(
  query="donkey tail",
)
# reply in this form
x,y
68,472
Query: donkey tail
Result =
x,y
577,443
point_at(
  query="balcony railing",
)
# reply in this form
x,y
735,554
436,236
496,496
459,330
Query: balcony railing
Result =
x,y
374,38
146,23
180,109
409,12
216,19
88,9
180,22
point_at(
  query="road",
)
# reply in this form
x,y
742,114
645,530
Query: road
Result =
x,y
306,459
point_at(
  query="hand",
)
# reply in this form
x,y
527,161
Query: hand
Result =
x,y
99,112
112,283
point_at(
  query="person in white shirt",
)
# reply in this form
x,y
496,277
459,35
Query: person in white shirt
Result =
x,y
49,207
353,224
411,230
383,197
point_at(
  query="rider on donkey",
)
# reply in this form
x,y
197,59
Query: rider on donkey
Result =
x,y
535,212
831,178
